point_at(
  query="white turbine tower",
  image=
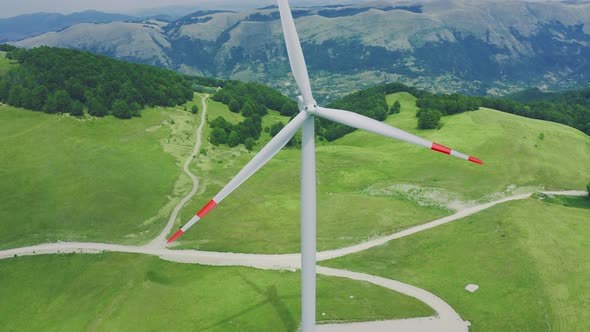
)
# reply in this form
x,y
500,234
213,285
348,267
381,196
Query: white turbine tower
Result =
x,y
305,119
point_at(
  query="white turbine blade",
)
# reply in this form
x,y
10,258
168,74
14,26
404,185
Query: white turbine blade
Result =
x,y
269,151
296,58
365,123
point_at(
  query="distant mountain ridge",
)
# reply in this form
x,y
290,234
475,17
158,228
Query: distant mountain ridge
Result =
x,y
489,47
30,25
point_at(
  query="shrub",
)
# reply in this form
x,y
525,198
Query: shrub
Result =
x,y
429,119
249,144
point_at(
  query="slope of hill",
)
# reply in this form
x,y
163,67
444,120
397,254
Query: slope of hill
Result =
x,y
116,292
529,259
456,45
31,25
71,179
390,185
574,105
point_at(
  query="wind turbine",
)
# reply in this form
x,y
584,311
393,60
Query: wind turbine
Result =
x,y
309,109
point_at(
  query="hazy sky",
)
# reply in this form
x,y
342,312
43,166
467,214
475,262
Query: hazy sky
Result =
x,y
10,8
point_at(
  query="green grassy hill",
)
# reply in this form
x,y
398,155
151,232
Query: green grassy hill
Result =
x,y
106,180
116,292
528,257
370,186
116,181
70,179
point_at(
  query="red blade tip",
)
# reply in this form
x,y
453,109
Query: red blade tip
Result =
x,y
176,236
475,160
440,148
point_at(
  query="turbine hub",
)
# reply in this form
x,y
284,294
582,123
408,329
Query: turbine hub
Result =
x,y
306,107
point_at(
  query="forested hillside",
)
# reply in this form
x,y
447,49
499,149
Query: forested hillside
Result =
x,y
253,101
54,80
571,108
574,106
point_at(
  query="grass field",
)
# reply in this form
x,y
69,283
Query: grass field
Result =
x,y
89,179
370,186
568,201
133,171
530,259
116,292
5,64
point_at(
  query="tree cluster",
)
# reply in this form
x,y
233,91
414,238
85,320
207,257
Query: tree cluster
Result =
x,y
570,108
246,132
448,104
370,102
395,108
54,80
253,99
428,119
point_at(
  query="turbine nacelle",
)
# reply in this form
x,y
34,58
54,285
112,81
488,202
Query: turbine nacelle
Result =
x,y
307,107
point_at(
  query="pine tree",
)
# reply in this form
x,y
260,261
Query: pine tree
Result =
x,y
249,143
248,109
274,130
121,110
218,136
4,90
63,101
233,140
95,108
77,109
39,97
234,106
395,108
429,119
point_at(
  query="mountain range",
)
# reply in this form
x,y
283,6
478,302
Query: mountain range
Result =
x,y
475,47
30,25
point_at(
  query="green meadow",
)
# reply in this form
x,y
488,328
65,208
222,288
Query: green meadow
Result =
x,y
107,180
117,292
370,186
529,258
101,180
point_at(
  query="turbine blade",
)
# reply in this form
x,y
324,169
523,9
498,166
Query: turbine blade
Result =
x,y
365,123
296,58
269,151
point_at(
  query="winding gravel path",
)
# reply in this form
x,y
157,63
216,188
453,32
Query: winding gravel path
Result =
x,y
446,319
329,254
160,240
